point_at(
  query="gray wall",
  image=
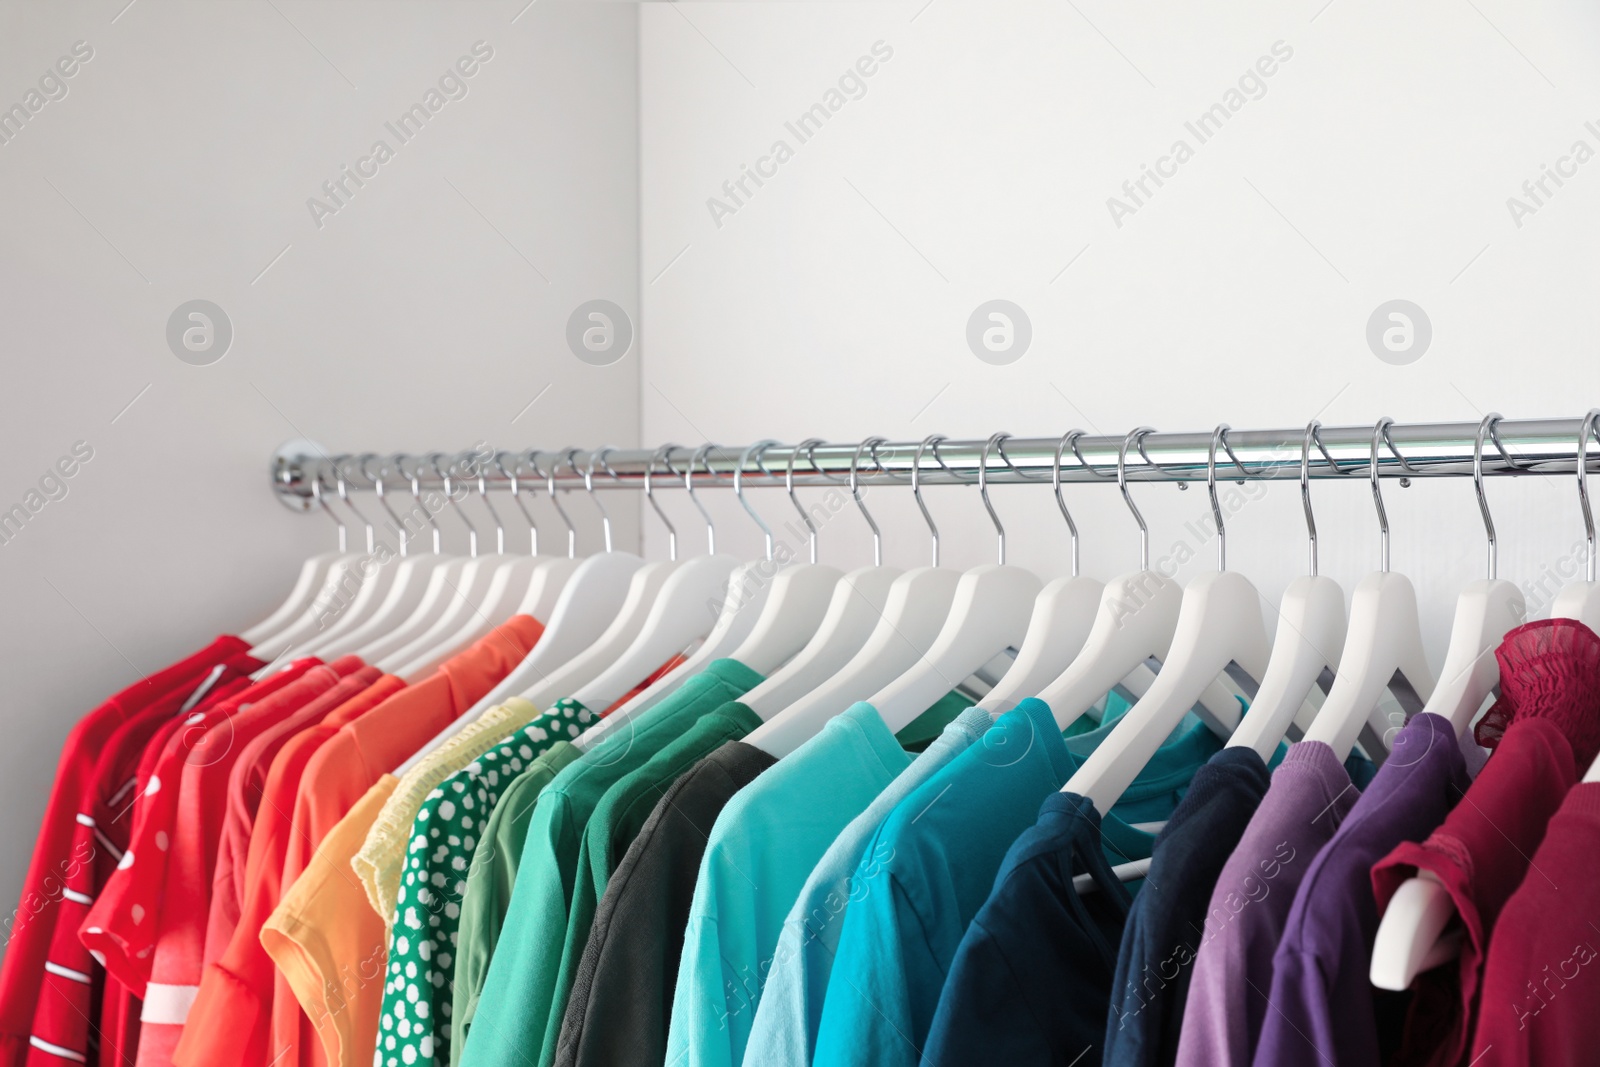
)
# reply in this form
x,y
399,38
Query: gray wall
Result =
x,y
428,312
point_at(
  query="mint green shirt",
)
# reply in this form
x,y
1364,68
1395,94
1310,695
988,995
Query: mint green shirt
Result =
x,y
515,1008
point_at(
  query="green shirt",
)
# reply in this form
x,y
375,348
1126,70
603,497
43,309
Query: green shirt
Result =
x,y
616,821
489,881
515,1008
414,1026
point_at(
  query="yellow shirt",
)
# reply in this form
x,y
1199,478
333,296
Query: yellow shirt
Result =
x,y
380,862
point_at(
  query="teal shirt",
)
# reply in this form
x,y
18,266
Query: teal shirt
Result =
x,y
761,850
784,1030
929,867
515,1009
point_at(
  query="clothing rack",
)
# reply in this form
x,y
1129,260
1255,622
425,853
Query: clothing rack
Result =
x,y
1400,450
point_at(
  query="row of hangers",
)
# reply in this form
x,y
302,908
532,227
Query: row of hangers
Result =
x,y
825,639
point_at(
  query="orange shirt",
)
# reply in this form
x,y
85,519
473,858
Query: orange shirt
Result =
x,y
318,937
236,990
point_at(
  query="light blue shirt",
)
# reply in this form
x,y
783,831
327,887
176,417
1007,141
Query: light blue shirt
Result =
x,y
761,850
785,1027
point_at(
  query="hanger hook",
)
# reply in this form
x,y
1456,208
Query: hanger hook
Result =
x,y
1218,436
381,491
473,464
450,495
322,466
855,492
701,454
1486,428
588,484
738,487
1137,434
515,478
1070,437
339,463
1313,433
1380,435
550,487
983,490
415,478
810,445
1591,424
931,441
664,454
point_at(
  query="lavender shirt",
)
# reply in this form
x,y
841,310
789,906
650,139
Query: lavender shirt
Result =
x,y
1308,798
1324,1009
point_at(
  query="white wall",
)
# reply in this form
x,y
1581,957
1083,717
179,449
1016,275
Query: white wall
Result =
x,y
427,313
1376,164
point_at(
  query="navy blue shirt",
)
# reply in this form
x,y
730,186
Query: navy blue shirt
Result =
x,y
1167,923
1031,980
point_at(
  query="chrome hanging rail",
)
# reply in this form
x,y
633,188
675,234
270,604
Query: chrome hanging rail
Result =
x,y
1414,450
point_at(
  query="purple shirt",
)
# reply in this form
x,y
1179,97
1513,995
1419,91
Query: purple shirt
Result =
x,y
1310,795
1324,1009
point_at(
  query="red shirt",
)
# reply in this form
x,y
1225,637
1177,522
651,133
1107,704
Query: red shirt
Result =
x,y
74,982
177,962
1541,985
1549,710
120,926
31,928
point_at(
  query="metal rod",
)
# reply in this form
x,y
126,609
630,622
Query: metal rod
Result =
x,y
1421,450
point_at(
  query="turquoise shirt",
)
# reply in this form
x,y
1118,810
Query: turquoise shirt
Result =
x,y
928,868
785,1027
761,850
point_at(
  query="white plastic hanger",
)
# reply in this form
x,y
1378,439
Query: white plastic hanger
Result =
x,y
1134,624
386,632
801,592
544,689
412,577
1063,614
469,594
854,608
1409,938
988,616
342,573
526,585
678,619
770,613
1219,629
914,610
587,605
378,572
1310,638
1382,648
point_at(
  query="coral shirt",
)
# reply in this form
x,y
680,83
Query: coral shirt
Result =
x,y
177,962
319,936
29,932
236,990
